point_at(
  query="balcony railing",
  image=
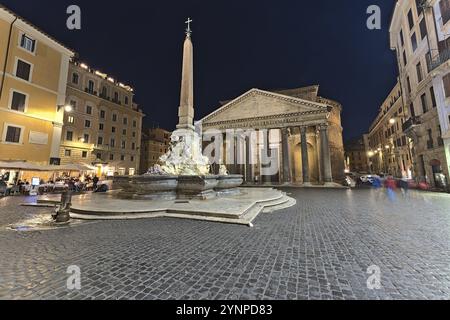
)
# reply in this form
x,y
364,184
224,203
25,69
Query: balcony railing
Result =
x,y
437,58
411,123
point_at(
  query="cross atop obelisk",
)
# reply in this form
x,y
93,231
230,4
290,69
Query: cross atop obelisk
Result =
x,y
188,29
186,110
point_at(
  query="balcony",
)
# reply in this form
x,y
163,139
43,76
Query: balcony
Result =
x,y
438,57
410,124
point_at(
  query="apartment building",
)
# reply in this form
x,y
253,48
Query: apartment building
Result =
x,y
33,80
356,155
389,148
155,143
417,34
103,124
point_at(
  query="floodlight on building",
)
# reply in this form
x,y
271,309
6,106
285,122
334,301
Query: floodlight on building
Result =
x,y
84,66
392,121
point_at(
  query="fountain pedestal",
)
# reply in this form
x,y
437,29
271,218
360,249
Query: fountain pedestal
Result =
x,y
197,187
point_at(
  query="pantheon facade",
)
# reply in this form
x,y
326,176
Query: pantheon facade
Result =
x,y
303,131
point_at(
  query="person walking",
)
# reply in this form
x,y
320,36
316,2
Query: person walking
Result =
x,y
95,181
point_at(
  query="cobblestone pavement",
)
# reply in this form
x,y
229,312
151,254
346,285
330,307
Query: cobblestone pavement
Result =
x,y
319,249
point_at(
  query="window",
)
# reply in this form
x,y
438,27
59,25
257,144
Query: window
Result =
x,y
446,80
445,10
410,20
124,145
125,121
134,134
414,42
102,114
114,117
69,136
113,129
433,98
408,82
84,154
124,132
101,126
133,146
122,158
405,59
86,138
430,143
87,123
423,28
13,134
73,103
411,109
111,157
134,123
75,78
67,153
402,39
18,101
70,119
100,141
419,72
113,143
104,92
23,70
90,86
99,156
116,97
88,109
27,43
419,7
132,158
423,98
126,100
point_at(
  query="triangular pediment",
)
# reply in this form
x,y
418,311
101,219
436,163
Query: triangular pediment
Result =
x,y
258,103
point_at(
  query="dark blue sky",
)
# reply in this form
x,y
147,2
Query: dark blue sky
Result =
x,y
238,45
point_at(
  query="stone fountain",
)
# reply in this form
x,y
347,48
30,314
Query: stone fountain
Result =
x,y
183,173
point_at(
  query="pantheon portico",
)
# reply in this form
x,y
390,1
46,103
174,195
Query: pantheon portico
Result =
x,y
303,131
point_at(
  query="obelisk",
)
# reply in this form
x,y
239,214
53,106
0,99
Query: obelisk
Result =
x,y
186,110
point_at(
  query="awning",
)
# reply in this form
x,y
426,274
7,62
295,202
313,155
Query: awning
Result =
x,y
27,166
22,166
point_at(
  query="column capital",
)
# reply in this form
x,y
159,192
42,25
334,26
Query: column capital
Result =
x,y
323,126
304,129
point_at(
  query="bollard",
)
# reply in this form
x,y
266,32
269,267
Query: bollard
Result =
x,y
63,213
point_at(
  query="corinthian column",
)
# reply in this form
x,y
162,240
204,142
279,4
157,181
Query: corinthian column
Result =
x,y
326,159
286,155
305,158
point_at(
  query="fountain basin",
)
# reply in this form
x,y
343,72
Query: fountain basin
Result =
x,y
121,182
197,187
229,184
153,187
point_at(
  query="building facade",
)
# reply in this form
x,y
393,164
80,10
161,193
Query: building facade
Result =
x,y
103,125
303,131
417,34
155,143
32,93
389,148
356,155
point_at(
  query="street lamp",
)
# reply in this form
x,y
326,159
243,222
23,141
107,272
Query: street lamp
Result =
x,y
67,108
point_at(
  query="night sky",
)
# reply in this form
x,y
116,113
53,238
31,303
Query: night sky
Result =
x,y
238,45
